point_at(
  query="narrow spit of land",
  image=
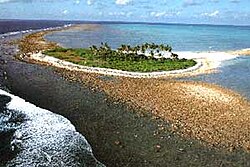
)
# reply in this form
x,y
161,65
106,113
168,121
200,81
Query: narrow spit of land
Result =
x,y
143,122
31,45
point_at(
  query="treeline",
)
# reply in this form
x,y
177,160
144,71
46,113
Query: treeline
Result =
x,y
145,51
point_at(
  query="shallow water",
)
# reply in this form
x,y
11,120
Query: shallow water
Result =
x,y
233,74
180,37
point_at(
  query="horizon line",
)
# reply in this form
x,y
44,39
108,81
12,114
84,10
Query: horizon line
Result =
x,y
128,22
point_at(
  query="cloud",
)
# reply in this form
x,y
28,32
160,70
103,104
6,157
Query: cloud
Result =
x,y
90,2
212,14
214,1
65,12
164,14
191,3
5,1
45,1
122,2
124,14
157,14
32,1
235,1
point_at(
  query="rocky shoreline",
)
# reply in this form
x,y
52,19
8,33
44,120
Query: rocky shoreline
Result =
x,y
202,111
182,97
141,122
32,45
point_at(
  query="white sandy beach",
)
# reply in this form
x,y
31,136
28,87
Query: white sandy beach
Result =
x,y
206,62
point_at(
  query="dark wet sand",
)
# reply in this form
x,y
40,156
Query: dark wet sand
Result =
x,y
118,134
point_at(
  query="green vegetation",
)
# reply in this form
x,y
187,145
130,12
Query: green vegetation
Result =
x,y
142,58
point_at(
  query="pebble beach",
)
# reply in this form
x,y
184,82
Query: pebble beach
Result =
x,y
205,112
210,116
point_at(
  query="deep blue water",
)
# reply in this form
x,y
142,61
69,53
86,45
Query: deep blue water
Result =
x,y
19,25
181,37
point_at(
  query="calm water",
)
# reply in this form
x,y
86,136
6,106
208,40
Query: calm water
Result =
x,y
19,120
181,37
233,74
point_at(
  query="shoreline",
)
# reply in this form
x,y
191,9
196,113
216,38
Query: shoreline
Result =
x,y
210,102
39,57
141,121
242,52
130,136
207,62
37,128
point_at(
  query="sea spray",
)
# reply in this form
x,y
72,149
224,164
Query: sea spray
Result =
x,y
40,137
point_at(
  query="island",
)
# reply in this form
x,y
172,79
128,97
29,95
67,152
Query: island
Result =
x,y
148,57
144,121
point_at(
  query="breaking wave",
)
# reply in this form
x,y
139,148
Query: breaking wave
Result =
x,y
38,137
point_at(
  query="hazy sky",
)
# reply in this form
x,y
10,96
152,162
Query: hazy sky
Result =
x,y
171,11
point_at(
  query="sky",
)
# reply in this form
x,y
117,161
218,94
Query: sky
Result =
x,y
233,12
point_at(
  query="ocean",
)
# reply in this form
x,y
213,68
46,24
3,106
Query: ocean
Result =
x,y
233,73
32,136
29,135
181,37
38,137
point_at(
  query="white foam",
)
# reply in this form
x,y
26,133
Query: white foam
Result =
x,y
31,30
216,58
45,135
14,33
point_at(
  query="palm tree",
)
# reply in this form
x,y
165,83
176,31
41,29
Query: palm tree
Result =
x,y
106,46
120,49
147,45
151,53
168,48
161,47
154,46
128,48
143,50
94,49
127,52
174,56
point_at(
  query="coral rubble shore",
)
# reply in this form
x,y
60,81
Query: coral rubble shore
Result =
x,y
202,111
207,113
33,44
